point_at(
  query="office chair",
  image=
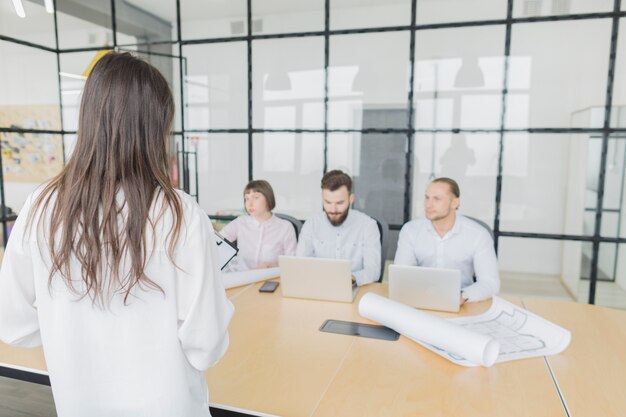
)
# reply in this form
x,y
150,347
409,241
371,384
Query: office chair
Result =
x,y
383,228
297,224
483,224
486,226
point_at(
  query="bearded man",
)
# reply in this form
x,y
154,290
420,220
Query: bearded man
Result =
x,y
339,232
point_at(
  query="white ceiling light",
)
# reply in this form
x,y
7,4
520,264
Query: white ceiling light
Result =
x,y
19,9
49,6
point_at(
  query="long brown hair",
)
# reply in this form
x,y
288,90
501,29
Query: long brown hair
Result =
x,y
125,118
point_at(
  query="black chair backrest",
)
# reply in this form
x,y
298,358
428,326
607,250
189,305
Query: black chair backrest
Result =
x,y
486,226
383,229
297,224
483,224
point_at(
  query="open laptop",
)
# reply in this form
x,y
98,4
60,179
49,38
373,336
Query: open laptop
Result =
x,y
428,288
316,278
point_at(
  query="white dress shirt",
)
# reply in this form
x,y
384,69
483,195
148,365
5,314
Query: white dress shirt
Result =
x,y
356,239
467,247
260,242
145,358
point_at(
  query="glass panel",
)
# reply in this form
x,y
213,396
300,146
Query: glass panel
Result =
x,y
611,284
377,164
614,192
529,8
28,160
216,87
350,14
69,142
618,114
542,53
543,272
366,74
460,11
191,157
145,21
288,83
213,19
543,276
470,159
37,27
458,78
86,26
29,88
287,16
614,175
546,183
293,164
221,177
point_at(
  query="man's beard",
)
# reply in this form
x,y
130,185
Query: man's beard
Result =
x,y
438,217
338,221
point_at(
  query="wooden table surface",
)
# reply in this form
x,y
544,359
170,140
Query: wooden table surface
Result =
x,y
279,363
591,372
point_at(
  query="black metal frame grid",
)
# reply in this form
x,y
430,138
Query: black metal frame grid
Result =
x,y
605,131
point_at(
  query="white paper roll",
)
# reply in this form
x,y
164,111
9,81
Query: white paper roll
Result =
x,y
426,328
236,279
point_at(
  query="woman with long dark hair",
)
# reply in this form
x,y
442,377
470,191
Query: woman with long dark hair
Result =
x,y
113,270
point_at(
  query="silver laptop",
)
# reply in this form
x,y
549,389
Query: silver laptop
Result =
x,y
316,278
429,288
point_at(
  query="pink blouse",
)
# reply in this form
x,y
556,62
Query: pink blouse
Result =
x,y
261,242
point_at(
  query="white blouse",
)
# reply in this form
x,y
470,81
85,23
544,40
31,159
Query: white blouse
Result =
x,y
260,242
145,358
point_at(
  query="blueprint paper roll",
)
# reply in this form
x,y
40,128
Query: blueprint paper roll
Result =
x,y
426,328
237,279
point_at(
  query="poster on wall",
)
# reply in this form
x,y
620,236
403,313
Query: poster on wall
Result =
x,y
28,157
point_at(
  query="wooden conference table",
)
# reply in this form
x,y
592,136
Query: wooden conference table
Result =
x,y
279,363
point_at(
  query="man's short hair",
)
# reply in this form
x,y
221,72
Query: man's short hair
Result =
x,y
454,187
335,179
263,187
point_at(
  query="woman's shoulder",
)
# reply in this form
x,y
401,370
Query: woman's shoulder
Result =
x,y
280,223
191,212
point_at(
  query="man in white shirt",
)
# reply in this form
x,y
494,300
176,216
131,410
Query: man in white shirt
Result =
x,y
339,232
445,239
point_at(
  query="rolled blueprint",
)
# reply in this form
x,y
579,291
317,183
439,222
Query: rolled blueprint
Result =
x,y
430,330
236,279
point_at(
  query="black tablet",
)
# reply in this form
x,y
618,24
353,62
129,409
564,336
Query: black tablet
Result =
x,y
359,329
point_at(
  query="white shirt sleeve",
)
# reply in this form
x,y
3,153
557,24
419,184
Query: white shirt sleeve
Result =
x,y
486,270
371,255
19,324
231,230
204,311
405,252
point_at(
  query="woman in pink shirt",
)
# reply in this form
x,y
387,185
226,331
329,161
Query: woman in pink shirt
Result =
x,y
261,236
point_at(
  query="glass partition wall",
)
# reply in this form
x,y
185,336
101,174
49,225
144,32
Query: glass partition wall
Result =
x,y
522,102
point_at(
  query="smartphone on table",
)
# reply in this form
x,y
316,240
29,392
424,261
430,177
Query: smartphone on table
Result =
x,y
269,286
